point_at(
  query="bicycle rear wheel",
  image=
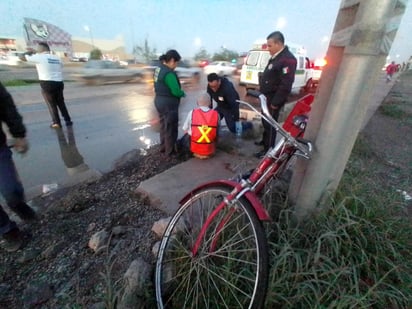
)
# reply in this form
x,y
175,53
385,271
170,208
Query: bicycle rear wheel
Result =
x,y
229,268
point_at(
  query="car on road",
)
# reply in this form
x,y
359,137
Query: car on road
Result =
x,y
184,71
12,58
221,68
78,59
203,63
106,71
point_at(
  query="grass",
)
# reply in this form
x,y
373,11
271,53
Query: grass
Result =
x,y
19,82
358,254
394,111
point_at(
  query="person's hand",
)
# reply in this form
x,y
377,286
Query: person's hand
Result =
x,y
274,107
21,145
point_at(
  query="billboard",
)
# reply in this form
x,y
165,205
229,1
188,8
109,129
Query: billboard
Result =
x,y
37,31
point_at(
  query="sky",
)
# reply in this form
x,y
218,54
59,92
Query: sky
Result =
x,y
189,25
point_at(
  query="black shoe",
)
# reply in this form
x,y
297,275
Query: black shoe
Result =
x,y
69,123
260,143
12,240
25,212
260,154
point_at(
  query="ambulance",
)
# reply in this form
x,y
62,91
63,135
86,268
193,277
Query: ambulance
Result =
x,y
258,57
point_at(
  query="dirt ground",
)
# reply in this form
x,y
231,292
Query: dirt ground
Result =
x,y
389,136
56,269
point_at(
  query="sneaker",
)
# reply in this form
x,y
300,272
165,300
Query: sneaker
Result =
x,y
25,212
12,240
55,126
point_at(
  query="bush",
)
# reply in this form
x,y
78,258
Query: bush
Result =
x,y
96,54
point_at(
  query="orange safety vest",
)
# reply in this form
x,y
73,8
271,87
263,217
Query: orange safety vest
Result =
x,y
204,131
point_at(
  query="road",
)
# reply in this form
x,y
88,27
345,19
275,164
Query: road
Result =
x,y
109,121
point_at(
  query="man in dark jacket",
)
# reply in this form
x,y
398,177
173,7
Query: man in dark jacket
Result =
x,y
10,185
222,91
275,83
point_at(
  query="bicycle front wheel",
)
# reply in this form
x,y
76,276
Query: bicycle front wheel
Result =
x,y
228,267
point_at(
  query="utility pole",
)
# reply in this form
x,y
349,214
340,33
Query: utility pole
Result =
x,y
361,40
89,30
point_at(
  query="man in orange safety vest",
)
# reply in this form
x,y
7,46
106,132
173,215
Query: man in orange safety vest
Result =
x,y
201,125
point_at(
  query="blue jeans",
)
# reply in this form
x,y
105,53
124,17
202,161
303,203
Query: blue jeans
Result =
x,y
11,188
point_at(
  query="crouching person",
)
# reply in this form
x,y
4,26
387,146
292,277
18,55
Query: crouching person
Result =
x,y
201,127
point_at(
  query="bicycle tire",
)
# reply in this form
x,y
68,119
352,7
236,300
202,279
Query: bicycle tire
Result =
x,y
233,275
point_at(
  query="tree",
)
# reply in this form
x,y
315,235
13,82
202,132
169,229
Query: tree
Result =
x,y
144,52
96,54
225,55
202,54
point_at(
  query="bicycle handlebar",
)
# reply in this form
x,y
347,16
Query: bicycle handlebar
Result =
x,y
265,114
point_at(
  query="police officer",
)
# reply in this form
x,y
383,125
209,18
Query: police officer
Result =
x,y
168,93
275,83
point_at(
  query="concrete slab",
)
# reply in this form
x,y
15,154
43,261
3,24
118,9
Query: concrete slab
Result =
x,y
234,155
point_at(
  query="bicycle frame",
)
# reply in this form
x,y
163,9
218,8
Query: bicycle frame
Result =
x,y
272,164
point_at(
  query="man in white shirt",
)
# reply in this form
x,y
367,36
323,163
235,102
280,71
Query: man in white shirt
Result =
x,y
49,69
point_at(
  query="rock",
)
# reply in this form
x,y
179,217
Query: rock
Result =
x,y
98,240
160,226
119,230
137,279
155,249
52,250
28,255
91,227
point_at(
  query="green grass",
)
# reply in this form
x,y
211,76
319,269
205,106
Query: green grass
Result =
x,y
357,254
395,111
19,82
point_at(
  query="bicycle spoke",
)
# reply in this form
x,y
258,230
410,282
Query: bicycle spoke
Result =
x,y
226,271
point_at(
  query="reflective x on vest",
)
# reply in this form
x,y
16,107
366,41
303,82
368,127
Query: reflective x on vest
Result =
x,y
204,130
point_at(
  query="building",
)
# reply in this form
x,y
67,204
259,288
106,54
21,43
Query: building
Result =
x,y
61,42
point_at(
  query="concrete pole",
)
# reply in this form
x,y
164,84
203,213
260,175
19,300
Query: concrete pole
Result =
x,y
361,40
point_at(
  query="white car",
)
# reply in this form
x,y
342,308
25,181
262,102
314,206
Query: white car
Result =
x,y
221,68
105,71
184,71
11,58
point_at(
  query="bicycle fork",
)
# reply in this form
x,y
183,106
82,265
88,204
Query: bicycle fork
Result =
x,y
239,190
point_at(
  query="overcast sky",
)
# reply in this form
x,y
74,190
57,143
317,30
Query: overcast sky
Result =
x,y
188,25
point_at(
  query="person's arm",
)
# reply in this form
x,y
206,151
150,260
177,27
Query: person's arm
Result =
x,y
33,58
187,123
9,114
14,121
231,97
172,83
285,86
209,91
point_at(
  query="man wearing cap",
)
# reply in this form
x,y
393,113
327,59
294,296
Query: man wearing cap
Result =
x,y
222,91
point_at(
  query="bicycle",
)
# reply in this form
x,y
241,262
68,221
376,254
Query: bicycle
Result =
x,y
214,251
